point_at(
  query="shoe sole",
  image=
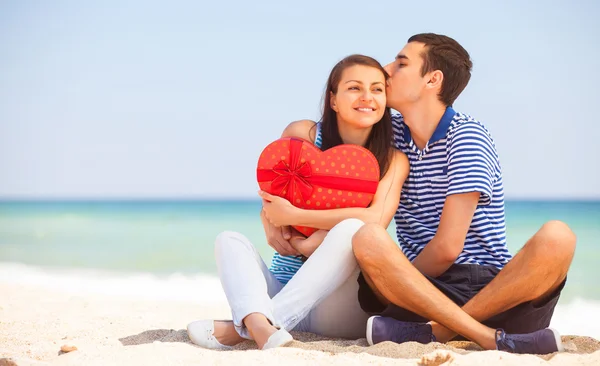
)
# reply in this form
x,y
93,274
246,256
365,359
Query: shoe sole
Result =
x,y
370,330
558,340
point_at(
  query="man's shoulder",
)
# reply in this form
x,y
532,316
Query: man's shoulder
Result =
x,y
463,123
397,119
467,133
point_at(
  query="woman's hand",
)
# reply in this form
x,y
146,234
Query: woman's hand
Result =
x,y
279,211
278,238
307,246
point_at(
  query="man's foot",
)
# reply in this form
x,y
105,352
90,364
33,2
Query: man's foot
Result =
x,y
381,329
213,334
540,342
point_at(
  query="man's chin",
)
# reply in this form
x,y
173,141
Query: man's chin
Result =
x,y
395,104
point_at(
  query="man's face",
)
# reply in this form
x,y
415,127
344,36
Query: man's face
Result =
x,y
406,85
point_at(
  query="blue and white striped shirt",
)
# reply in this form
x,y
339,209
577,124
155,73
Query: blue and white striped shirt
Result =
x,y
460,157
285,267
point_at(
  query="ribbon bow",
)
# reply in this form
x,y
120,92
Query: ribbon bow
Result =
x,y
288,178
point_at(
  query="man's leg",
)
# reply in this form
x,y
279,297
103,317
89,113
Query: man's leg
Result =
x,y
402,284
382,300
532,275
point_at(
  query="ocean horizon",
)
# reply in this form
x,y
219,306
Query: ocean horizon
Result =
x,y
164,236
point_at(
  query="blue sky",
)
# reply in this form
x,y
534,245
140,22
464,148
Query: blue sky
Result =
x,y
137,99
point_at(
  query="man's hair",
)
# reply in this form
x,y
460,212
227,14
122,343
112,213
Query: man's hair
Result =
x,y
445,54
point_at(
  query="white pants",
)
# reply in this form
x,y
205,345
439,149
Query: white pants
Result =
x,y
321,298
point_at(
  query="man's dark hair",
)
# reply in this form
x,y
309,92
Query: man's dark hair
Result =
x,y
445,54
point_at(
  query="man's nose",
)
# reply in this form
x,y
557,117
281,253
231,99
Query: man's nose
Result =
x,y
388,69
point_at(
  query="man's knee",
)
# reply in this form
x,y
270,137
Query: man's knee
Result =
x,y
558,238
368,241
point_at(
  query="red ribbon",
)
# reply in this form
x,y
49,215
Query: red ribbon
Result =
x,y
298,177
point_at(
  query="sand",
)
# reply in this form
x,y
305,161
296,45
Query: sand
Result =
x,y
108,329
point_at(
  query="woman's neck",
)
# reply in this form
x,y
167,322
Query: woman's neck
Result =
x,y
353,135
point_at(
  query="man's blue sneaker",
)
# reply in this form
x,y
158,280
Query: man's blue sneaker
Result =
x,y
540,342
381,329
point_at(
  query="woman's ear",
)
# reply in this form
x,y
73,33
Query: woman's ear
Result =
x,y
332,102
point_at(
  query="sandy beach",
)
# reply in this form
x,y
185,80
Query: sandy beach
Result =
x,y
119,329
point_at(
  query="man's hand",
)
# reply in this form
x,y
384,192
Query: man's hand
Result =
x,y
278,237
279,211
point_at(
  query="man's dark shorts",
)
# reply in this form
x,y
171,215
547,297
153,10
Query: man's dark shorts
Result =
x,y
460,283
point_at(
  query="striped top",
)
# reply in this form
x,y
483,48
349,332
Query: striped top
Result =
x,y
461,157
285,267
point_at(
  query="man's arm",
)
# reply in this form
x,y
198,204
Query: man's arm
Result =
x,y
472,172
448,242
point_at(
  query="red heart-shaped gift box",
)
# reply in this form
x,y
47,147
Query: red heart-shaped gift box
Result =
x,y
295,169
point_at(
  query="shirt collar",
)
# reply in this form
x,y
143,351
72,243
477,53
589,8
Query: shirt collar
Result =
x,y
440,130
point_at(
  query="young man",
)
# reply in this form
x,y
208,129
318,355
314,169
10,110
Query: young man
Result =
x,y
453,273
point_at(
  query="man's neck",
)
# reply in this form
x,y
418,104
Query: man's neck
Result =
x,y
422,118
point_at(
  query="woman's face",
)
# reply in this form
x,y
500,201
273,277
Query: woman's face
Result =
x,y
360,99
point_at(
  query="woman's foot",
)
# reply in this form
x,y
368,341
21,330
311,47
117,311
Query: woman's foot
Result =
x,y
264,333
280,338
218,334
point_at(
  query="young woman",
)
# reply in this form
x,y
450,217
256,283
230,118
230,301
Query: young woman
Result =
x,y
317,293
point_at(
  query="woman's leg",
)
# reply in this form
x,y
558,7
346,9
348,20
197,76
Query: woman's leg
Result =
x,y
327,269
339,315
247,282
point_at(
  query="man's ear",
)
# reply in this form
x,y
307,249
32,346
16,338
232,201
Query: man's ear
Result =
x,y
435,79
332,102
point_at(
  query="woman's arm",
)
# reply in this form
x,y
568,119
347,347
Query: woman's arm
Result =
x,y
306,246
278,238
381,211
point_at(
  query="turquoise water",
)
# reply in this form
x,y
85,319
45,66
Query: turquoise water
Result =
x,y
164,237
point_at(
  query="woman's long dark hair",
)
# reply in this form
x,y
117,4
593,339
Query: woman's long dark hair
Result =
x,y
380,140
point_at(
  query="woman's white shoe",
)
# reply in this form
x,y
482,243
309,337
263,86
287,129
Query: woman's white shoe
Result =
x,y
201,333
281,338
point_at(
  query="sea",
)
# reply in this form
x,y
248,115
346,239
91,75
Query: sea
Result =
x,y
163,249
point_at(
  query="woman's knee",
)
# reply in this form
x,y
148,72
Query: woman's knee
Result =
x,y
350,226
230,240
341,234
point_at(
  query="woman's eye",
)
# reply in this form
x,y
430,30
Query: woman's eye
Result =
x,y
353,88
378,89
